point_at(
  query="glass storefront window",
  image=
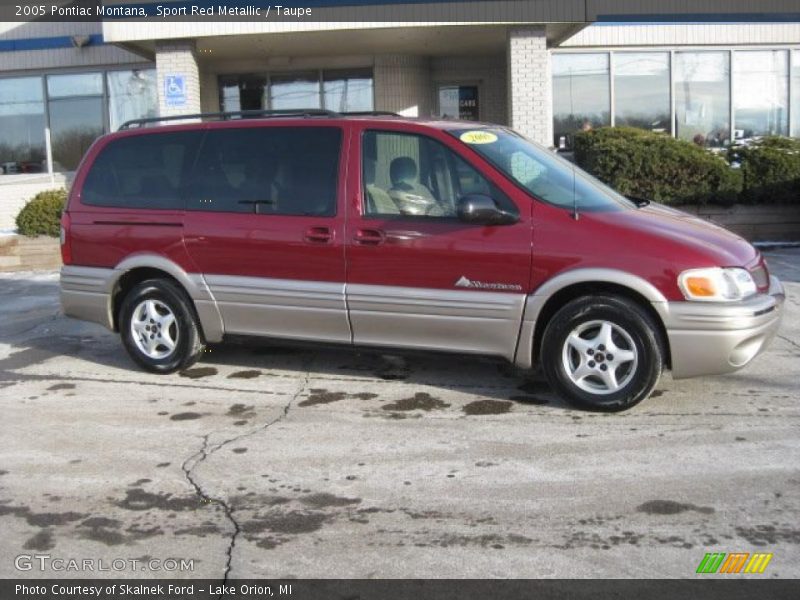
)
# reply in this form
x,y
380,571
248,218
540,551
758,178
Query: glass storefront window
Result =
x,y
760,93
581,94
242,92
229,95
78,84
641,90
76,116
22,145
294,91
348,91
703,97
796,93
339,90
131,95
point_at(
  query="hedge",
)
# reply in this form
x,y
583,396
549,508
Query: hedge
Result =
x,y
770,169
42,214
642,164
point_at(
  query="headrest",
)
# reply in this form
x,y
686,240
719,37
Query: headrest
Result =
x,y
403,170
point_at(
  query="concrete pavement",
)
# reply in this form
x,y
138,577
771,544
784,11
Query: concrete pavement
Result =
x,y
271,462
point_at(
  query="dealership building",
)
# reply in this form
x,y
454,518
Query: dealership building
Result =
x,y
716,74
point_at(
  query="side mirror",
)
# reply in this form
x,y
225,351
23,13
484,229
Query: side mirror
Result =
x,y
482,210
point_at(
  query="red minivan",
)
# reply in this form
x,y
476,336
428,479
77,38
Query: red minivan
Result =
x,y
382,231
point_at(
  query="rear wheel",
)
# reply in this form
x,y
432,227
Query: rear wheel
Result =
x,y
158,327
602,353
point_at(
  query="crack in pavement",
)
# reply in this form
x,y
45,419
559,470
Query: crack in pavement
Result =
x,y
792,342
9,375
21,334
195,460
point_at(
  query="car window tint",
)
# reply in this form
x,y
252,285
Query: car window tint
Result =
x,y
267,170
141,171
416,176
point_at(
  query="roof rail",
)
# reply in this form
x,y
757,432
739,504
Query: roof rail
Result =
x,y
370,113
241,114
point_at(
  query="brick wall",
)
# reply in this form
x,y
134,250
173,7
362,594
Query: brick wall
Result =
x,y
16,190
530,97
409,84
19,253
178,58
403,85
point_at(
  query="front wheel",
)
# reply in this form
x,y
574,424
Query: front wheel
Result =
x,y
158,327
602,353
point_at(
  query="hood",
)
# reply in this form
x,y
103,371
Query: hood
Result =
x,y
716,244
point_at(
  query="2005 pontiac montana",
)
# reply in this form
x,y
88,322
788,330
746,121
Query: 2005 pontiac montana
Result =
x,y
384,231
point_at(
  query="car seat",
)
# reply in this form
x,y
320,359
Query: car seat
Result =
x,y
379,202
410,196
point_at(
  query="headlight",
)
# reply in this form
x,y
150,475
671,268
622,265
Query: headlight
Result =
x,y
716,284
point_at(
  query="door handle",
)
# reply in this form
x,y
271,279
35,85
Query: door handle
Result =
x,y
319,235
370,237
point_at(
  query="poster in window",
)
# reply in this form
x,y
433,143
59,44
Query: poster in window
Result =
x,y
459,102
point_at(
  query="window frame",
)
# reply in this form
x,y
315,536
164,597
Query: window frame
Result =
x,y
609,95
533,197
420,218
737,76
730,49
245,125
186,169
458,83
268,75
43,74
614,82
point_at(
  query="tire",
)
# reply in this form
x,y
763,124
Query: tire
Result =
x,y
585,371
160,309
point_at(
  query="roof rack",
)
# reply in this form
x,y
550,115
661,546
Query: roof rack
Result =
x,y
370,113
241,114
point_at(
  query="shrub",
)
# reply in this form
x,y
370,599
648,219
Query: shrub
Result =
x,y
770,169
655,166
42,214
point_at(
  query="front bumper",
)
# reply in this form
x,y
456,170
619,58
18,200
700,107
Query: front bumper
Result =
x,y
715,338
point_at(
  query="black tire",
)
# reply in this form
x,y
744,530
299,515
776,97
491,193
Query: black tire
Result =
x,y
632,329
185,330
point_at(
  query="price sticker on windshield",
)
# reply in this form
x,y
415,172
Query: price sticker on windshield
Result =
x,y
478,137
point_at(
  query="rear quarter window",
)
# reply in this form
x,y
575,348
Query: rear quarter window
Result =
x,y
144,171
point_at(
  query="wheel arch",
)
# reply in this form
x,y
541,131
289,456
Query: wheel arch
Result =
x,y
136,269
551,296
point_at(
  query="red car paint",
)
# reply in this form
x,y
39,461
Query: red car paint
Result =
x,y
654,243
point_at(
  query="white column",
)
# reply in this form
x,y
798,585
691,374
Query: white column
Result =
x,y
530,91
176,64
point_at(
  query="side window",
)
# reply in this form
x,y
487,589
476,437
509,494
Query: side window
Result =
x,y
413,175
141,171
267,170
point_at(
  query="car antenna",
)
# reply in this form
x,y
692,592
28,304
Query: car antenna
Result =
x,y
575,214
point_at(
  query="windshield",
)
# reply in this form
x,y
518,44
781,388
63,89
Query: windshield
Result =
x,y
545,175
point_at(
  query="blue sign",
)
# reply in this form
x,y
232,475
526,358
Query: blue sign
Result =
x,y
175,90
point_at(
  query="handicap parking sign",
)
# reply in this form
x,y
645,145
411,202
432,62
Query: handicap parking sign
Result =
x,y
175,90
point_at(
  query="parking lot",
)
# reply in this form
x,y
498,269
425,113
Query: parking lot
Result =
x,y
271,462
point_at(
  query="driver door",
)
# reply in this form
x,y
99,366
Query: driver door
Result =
x,y
417,276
